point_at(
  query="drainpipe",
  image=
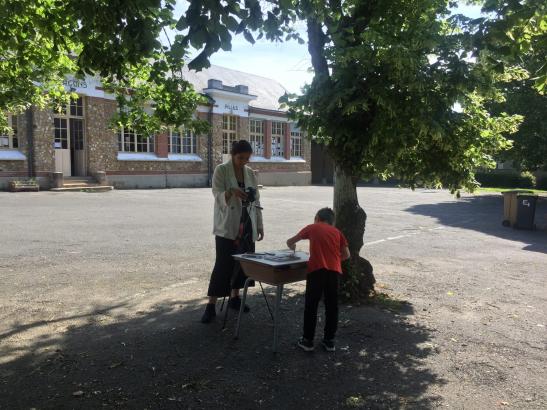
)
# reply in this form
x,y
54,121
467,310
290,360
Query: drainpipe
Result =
x,y
30,142
210,147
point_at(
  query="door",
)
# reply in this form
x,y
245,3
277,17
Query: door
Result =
x,y
77,153
62,147
69,139
322,166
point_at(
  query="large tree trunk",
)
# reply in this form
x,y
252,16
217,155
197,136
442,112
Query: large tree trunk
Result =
x,y
358,282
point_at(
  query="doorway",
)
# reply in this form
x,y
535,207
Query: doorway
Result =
x,y
69,139
322,165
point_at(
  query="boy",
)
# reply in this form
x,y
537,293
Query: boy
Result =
x,y
328,248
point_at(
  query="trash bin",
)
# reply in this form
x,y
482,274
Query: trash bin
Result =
x,y
510,205
526,211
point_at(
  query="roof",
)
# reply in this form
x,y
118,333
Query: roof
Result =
x,y
267,90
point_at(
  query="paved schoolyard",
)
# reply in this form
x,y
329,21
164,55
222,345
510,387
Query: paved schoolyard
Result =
x,y
101,296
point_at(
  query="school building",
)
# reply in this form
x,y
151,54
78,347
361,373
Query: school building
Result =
x,y
79,145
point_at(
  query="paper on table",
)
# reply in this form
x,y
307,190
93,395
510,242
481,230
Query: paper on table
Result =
x,y
276,258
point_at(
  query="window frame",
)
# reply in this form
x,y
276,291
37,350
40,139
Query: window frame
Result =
x,y
229,132
297,137
71,114
134,142
11,136
187,142
278,139
257,136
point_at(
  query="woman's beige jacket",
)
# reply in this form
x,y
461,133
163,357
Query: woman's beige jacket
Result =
x,y
228,214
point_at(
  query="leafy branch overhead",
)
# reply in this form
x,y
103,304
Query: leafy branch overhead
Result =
x,y
373,66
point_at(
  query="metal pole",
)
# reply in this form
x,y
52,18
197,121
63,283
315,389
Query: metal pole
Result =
x,y
30,141
242,308
210,148
278,296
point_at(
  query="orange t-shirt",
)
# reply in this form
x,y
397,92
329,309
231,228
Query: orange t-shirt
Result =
x,y
326,244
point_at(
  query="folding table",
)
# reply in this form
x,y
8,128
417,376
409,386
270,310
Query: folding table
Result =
x,y
276,268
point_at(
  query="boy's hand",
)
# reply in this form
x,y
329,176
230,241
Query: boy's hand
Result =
x,y
291,245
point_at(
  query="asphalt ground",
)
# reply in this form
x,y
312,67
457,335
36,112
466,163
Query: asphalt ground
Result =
x,y
101,296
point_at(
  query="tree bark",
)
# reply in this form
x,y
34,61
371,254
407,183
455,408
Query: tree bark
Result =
x,y
358,282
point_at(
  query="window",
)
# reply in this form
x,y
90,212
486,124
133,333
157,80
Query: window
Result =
x,y
296,143
10,139
256,135
61,133
68,126
278,138
182,142
228,133
77,107
131,141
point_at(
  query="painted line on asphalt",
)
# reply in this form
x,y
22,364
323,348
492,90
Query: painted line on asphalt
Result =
x,y
420,231
408,235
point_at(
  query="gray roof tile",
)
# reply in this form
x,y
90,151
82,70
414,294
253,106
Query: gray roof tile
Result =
x,y
267,90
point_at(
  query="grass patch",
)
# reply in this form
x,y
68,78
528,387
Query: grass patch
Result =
x,y
500,190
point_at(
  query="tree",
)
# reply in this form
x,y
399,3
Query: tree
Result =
x,y
399,89
529,151
513,29
43,41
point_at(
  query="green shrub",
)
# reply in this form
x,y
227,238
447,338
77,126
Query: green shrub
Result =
x,y
506,179
542,183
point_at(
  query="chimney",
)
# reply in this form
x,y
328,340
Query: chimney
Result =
x,y
242,89
212,83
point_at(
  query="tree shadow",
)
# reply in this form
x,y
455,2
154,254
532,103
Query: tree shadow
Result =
x,y
164,358
484,214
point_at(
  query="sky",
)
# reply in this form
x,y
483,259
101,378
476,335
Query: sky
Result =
x,y
286,62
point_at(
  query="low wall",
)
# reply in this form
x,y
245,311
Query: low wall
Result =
x,y
157,181
44,182
297,178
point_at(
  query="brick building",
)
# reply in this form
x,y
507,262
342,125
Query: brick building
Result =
x,y
80,143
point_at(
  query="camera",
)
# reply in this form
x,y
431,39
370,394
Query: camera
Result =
x,y
251,194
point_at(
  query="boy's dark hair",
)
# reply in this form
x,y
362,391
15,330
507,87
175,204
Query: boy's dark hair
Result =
x,y
325,215
241,146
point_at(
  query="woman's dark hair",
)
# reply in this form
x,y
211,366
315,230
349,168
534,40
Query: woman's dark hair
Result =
x,y
326,215
241,146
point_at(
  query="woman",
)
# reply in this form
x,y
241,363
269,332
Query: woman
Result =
x,y
237,226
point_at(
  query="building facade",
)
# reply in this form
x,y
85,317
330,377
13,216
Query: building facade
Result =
x,y
79,141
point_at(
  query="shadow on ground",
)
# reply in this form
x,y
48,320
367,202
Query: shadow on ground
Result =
x,y
484,213
163,358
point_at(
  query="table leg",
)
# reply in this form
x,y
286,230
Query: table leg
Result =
x,y
242,308
278,296
226,312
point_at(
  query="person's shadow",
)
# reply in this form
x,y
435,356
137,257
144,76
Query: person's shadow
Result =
x,y
164,358
484,213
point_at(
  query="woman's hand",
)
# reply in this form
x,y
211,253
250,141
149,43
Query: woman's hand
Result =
x,y
237,192
260,234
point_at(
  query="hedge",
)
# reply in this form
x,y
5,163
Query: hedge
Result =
x,y
506,179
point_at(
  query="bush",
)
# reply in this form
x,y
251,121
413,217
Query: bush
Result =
x,y
506,179
542,183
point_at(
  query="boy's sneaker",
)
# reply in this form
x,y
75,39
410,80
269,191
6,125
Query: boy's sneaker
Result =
x,y
328,345
306,345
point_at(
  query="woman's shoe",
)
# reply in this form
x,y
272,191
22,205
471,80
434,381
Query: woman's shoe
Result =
x,y
235,303
210,313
